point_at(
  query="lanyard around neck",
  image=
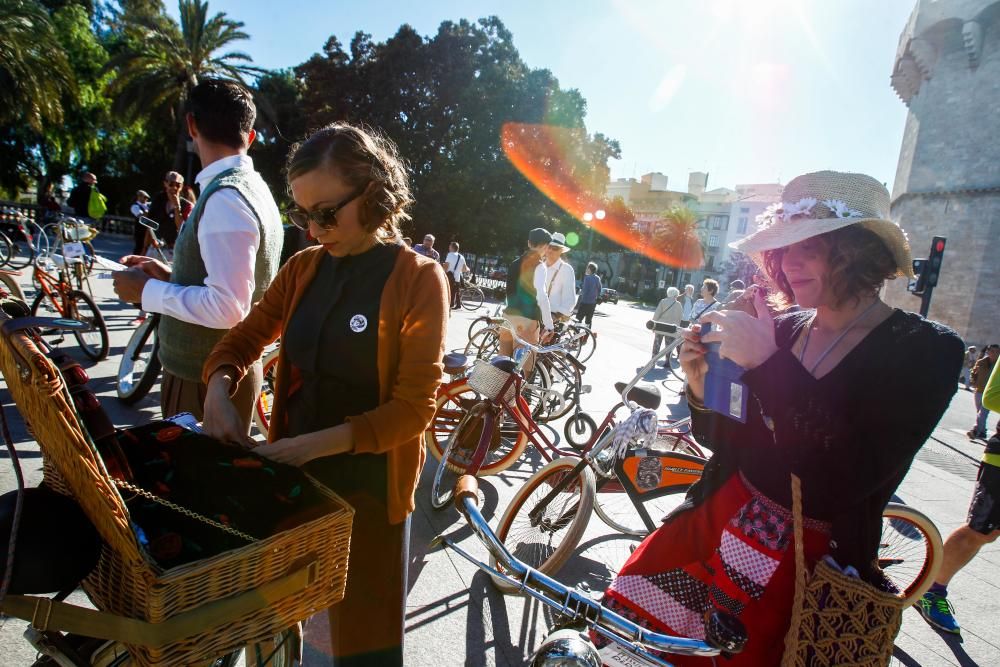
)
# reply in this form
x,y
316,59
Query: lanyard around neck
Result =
x,y
853,323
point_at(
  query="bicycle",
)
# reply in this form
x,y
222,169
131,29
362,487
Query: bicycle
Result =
x,y
265,400
56,294
630,643
21,250
470,295
139,367
484,321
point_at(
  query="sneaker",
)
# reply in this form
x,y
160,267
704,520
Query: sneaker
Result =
x,y
937,610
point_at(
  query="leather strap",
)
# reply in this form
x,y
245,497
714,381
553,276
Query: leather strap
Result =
x,y
46,614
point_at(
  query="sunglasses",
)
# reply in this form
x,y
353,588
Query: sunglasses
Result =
x,y
324,218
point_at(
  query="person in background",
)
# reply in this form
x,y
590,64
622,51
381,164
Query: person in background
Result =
x,y
736,289
79,196
169,210
707,302
140,206
669,311
225,257
562,279
982,525
188,195
687,301
362,322
970,361
590,290
980,375
427,248
527,299
835,399
455,267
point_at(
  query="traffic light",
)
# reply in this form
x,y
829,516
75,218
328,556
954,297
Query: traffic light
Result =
x,y
918,281
933,268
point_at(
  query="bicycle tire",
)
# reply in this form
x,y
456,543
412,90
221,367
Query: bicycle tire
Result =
x,y
452,407
581,348
478,324
579,430
566,380
471,295
615,508
566,515
910,550
52,304
139,367
265,400
89,345
22,253
445,476
485,344
673,362
6,249
11,286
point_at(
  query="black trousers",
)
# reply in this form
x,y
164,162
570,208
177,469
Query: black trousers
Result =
x,y
586,311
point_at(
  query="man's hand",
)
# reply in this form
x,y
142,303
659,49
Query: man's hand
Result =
x,y
153,268
129,284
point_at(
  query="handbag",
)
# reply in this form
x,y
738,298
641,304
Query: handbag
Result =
x,y
837,619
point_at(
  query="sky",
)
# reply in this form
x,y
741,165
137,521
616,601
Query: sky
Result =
x,y
750,91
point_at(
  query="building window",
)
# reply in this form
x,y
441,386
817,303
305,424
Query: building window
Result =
x,y
713,241
718,222
710,263
742,226
744,210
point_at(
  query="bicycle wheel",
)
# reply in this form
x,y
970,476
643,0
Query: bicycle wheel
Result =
x,y
93,343
579,430
453,406
616,509
565,380
910,550
479,323
22,252
484,344
47,305
6,249
583,347
546,542
265,401
139,366
672,441
674,364
472,298
445,476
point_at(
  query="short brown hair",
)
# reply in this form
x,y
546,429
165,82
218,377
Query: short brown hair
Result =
x,y
223,111
858,260
361,156
712,285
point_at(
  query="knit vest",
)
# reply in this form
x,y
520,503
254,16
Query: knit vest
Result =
x,y
185,346
522,297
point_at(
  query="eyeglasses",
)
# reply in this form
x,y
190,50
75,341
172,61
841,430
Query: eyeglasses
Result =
x,y
325,218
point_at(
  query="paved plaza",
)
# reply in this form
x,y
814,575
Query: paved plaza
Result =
x,y
456,617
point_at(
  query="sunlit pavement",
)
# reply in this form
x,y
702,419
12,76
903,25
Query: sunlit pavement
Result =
x,y
455,616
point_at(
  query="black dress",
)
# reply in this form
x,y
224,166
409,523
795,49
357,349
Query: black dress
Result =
x,y
332,345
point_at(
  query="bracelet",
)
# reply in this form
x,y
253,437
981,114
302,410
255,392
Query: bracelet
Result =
x,y
693,402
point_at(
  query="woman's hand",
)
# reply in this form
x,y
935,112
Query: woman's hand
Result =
x,y
692,358
747,340
301,449
222,420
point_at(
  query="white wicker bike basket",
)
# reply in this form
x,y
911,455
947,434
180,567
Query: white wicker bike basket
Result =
x,y
488,380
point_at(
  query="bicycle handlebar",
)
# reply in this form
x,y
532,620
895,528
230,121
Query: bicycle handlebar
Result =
x,y
725,633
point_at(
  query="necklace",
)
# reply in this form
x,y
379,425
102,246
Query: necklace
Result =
x,y
853,323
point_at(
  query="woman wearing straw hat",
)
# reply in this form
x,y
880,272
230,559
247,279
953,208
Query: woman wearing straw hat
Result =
x,y
841,394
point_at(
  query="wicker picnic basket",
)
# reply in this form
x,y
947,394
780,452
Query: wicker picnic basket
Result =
x,y
220,603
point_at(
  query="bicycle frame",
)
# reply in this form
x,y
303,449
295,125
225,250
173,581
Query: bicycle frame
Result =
x,y
576,605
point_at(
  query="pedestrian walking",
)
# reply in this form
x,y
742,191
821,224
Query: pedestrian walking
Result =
x,y
668,311
970,361
456,267
982,526
590,290
980,375
813,411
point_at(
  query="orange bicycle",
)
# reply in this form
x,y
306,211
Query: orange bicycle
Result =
x,y
57,295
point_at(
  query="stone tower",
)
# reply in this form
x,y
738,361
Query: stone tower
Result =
x,y
947,72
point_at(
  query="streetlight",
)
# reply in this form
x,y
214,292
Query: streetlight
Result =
x,y
588,218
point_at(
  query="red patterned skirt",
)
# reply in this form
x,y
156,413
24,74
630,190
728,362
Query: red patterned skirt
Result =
x,y
733,552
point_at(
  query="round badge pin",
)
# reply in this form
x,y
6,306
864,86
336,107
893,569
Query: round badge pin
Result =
x,y
359,323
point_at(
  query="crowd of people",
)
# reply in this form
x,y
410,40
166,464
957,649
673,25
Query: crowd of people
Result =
x,y
834,405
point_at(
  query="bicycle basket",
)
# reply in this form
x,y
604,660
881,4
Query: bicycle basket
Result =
x,y
488,380
77,232
305,568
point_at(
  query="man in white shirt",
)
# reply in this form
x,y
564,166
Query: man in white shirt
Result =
x,y
455,266
226,255
687,301
561,279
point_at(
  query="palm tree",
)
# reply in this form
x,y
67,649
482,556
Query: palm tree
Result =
x,y
34,71
164,61
675,238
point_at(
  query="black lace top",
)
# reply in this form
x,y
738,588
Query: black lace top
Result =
x,y
850,435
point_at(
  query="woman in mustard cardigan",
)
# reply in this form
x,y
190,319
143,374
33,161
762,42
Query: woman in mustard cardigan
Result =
x,y
362,324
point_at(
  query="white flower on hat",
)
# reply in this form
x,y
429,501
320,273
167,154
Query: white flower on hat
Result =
x,y
840,210
803,206
782,212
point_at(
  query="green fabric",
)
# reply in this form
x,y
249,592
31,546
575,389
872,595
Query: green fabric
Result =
x,y
97,205
185,346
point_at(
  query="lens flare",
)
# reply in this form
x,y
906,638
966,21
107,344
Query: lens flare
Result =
x,y
546,156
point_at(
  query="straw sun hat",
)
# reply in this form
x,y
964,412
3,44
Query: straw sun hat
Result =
x,y
821,202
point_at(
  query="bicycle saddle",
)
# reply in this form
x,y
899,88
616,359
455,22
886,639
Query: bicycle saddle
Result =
x,y
57,545
646,395
455,363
